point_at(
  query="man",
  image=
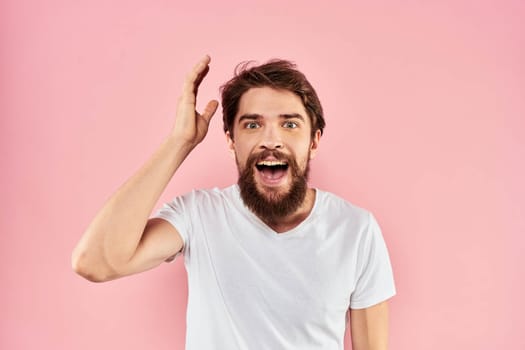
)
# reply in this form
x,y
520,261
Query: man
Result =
x,y
272,263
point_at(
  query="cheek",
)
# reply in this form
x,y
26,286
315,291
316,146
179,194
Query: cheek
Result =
x,y
304,159
243,150
241,158
303,151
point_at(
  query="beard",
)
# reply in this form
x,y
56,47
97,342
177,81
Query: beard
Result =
x,y
273,205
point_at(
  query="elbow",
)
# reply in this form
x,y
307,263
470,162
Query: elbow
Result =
x,y
89,270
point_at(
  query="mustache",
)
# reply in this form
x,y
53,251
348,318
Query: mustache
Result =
x,y
278,155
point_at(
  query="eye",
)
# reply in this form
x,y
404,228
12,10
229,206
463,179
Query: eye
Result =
x,y
290,125
251,125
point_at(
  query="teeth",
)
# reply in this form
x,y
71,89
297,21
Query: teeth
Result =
x,y
271,163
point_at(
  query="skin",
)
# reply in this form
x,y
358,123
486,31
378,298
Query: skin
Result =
x,y
369,327
122,240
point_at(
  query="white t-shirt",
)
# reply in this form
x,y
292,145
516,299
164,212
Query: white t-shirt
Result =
x,y
253,288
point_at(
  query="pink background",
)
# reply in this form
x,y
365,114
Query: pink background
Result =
x,y
425,109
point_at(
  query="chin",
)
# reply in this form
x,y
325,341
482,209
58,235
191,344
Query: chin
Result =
x,y
273,193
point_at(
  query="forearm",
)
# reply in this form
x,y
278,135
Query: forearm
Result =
x,y
114,234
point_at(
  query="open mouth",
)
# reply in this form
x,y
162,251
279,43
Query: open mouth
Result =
x,y
272,170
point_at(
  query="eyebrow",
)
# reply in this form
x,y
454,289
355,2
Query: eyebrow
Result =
x,y
255,116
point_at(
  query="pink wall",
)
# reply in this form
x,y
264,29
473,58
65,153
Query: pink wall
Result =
x,y
425,110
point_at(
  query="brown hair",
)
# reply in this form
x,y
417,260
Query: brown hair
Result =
x,y
277,74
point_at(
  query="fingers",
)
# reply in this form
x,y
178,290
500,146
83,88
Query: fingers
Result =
x,y
209,110
199,79
194,78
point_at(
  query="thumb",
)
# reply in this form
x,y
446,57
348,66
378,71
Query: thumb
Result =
x,y
209,110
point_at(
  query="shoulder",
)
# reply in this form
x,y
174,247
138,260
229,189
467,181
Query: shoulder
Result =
x,y
197,203
207,193
337,208
204,197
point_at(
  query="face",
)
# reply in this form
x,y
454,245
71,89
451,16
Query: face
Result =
x,y
272,146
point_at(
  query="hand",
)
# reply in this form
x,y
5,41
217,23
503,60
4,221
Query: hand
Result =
x,y
191,126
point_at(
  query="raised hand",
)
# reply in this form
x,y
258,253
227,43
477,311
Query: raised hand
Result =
x,y
121,240
191,126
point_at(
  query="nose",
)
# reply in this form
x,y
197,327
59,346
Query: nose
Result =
x,y
271,138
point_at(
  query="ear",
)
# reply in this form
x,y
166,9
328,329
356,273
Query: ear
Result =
x,y
314,144
231,144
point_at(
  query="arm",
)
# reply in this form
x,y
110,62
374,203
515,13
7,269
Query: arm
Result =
x,y
121,240
369,327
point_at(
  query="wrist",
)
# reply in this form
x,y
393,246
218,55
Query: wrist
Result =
x,y
179,144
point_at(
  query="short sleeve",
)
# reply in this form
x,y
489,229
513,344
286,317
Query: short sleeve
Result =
x,y
177,213
375,280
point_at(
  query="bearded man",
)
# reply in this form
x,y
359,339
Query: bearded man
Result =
x,y
271,263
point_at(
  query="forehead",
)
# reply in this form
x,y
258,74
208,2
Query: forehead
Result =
x,y
269,102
